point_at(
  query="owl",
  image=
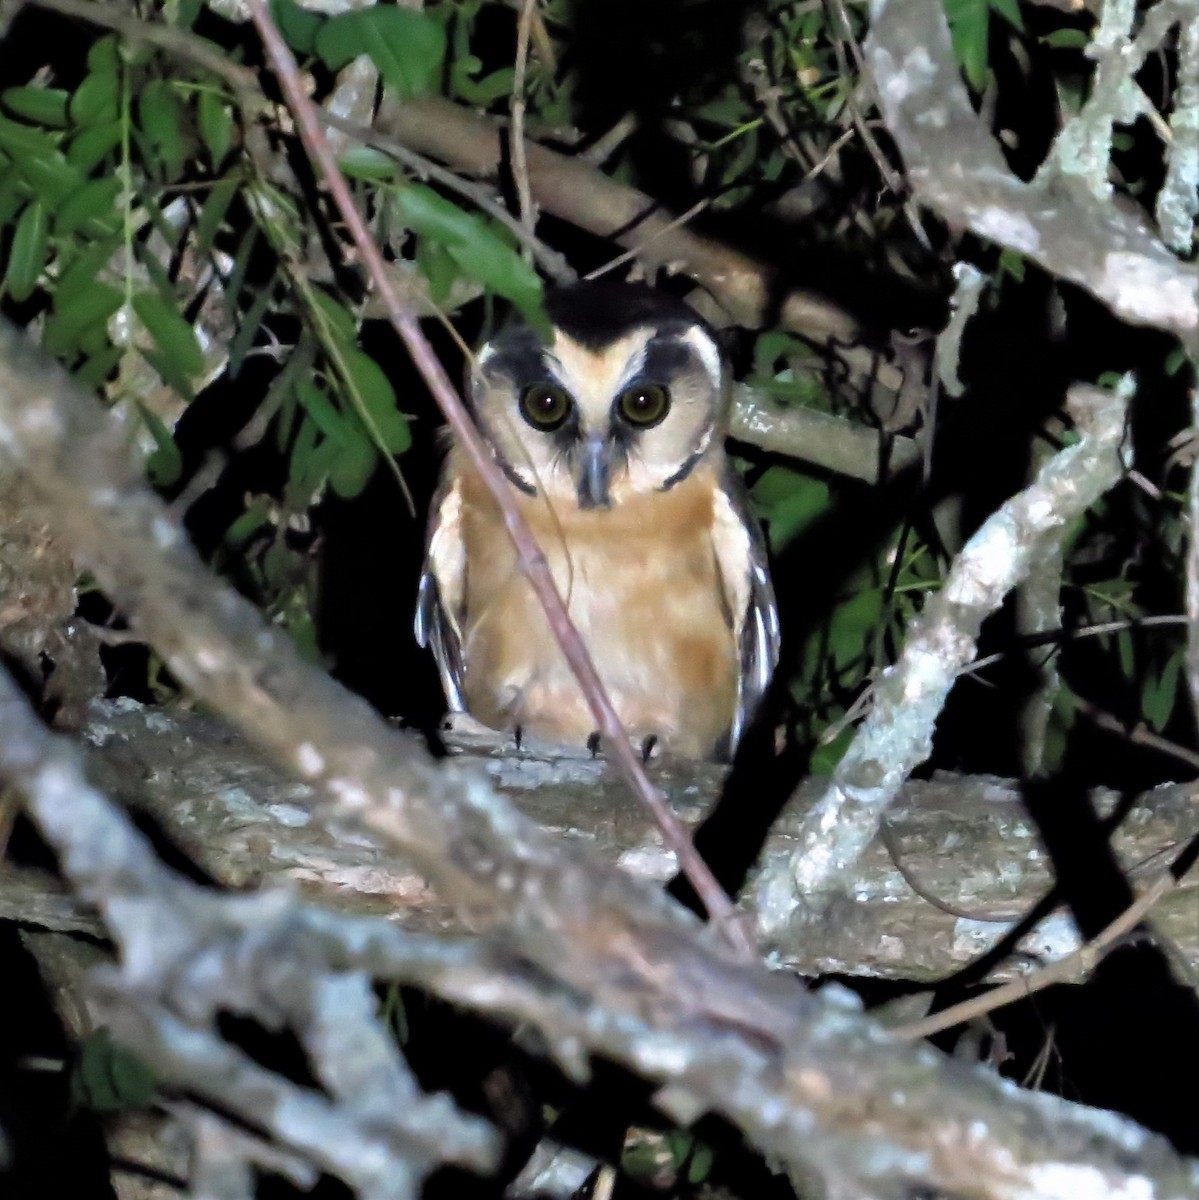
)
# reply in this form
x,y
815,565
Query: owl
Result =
x,y
610,433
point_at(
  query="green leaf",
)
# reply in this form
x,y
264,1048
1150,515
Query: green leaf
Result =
x,y
365,162
30,248
212,215
14,194
371,386
321,409
700,1166
1070,39
99,367
1175,361
216,126
406,46
15,137
853,623
1127,654
343,325
298,26
96,100
51,177
352,468
1009,10
186,13
438,268
171,333
92,208
257,514
480,92
1158,696
81,272
789,501
82,309
41,105
107,1077
968,23
826,757
91,146
165,465
474,245
161,116
1012,263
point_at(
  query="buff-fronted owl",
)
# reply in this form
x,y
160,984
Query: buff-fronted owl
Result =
x,y
611,436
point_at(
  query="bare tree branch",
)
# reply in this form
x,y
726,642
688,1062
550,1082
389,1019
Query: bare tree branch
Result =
x,y
188,955
957,168
600,963
896,736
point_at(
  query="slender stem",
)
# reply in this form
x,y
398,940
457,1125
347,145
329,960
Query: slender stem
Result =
x,y
520,168
532,559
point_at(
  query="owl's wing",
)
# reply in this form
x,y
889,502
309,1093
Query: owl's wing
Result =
x,y
741,555
442,592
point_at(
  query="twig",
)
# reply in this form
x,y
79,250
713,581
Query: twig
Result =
x,y
1138,734
529,554
552,262
634,251
1054,637
573,189
887,835
1192,572
891,178
516,107
608,143
1073,967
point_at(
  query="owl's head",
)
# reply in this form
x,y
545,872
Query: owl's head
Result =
x,y
629,397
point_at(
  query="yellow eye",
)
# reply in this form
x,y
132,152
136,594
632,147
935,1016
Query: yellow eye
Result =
x,y
545,406
644,405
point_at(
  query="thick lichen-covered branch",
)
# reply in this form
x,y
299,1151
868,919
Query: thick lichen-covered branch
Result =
x,y
897,734
966,864
958,169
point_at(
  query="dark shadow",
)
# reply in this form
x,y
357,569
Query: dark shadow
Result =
x,y
1127,1038
56,1147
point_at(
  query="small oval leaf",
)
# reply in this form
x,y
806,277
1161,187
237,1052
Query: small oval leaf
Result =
x,y
30,246
171,333
43,106
216,126
406,46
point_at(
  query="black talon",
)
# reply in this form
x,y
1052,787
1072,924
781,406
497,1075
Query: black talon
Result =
x,y
647,746
593,743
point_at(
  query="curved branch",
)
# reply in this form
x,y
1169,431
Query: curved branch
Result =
x,y
957,168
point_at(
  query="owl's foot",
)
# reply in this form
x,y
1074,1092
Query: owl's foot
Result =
x,y
649,744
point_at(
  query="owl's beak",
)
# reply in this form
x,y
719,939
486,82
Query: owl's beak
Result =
x,y
595,468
